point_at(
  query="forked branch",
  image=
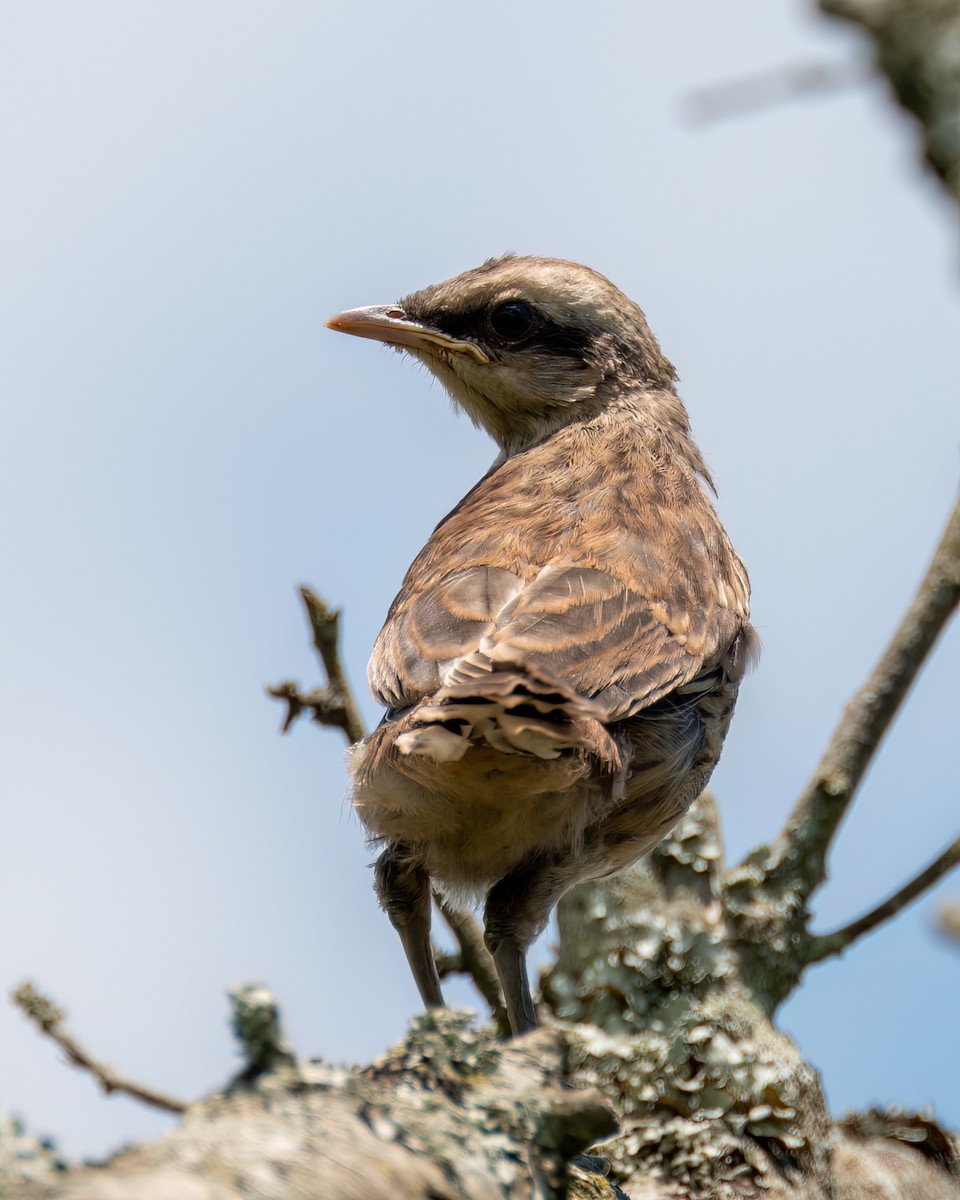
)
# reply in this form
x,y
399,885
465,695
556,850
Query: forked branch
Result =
x,y
334,704
801,850
335,707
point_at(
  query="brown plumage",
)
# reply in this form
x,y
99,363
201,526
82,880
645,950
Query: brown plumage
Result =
x,y
562,661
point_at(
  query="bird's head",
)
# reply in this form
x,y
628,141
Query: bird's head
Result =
x,y
523,345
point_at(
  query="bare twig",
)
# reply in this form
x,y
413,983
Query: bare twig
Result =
x,y
742,97
801,850
473,959
49,1020
828,944
334,704
448,964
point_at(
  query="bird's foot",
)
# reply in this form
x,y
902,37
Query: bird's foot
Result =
x,y
598,1164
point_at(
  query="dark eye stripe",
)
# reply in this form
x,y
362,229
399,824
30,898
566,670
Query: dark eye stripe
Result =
x,y
570,341
562,339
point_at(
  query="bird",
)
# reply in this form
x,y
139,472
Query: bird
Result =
x,y
561,663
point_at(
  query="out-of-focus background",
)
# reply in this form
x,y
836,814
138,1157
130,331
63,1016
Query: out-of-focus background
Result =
x,y
188,190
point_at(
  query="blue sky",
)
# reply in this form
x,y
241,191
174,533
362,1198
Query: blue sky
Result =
x,y
189,190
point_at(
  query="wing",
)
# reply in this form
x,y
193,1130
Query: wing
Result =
x,y
624,590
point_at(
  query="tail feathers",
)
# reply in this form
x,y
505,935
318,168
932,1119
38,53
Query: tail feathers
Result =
x,y
511,708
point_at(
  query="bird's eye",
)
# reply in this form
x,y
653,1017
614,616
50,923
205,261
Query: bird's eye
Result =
x,y
512,321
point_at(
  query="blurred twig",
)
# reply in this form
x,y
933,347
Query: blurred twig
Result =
x,y
950,921
754,93
49,1020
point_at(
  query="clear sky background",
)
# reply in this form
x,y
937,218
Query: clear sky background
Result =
x,y
188,189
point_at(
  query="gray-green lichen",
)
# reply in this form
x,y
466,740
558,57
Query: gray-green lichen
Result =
x,y
710,1096
450,1113
514,1094
24,1157
917,43
255,1018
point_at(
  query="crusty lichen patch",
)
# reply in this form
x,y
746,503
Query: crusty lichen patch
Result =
x,y
514,1118
710,1096
23,1156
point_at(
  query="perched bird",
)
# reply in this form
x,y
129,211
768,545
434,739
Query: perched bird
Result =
x,y
561,663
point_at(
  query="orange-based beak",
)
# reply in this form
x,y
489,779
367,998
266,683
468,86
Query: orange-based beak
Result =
x,y
390,324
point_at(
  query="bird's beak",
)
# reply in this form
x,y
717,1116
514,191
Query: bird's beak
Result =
x,y
390,324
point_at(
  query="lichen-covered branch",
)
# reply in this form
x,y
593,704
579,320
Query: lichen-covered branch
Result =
x,y
334,704
719,1105
826,945
916,47
713,1100
766,897
450,1113
801,851
49,1020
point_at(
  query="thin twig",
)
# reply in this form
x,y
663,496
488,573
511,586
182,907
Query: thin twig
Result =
x,y
334,704
801,849
754,93
826,945
448,964
474,959
49,1020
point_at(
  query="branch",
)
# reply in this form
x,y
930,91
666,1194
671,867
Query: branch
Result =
x,y
802,847
473,960
49,1020
827,945
449,1111
448,963
754,93
915,46
334,704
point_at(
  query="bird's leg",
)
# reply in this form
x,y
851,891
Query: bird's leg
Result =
x,y
403,889
510,960
516,911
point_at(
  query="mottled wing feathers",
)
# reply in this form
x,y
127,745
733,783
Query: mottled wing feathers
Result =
x,y
608,589
596,633
578,624
430,627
